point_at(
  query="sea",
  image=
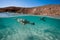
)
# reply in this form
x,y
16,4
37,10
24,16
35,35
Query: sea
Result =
x,y
13,28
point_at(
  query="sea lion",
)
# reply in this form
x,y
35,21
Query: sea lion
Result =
x,y
43,19
24,21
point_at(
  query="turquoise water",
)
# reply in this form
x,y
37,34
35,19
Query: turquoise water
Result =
x,y
46,29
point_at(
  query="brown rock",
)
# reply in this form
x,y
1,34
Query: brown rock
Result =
x,y
50,10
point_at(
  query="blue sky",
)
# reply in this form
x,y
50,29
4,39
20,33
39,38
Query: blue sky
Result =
x,y
27,3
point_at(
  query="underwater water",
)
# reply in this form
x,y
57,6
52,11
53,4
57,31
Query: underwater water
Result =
x,y
44,28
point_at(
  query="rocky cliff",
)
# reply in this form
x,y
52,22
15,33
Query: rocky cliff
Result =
x,y
50,10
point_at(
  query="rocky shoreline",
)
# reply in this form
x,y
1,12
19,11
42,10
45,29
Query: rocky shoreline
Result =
x,y
48,10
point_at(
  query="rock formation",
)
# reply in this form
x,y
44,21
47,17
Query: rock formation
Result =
x,y
49,10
